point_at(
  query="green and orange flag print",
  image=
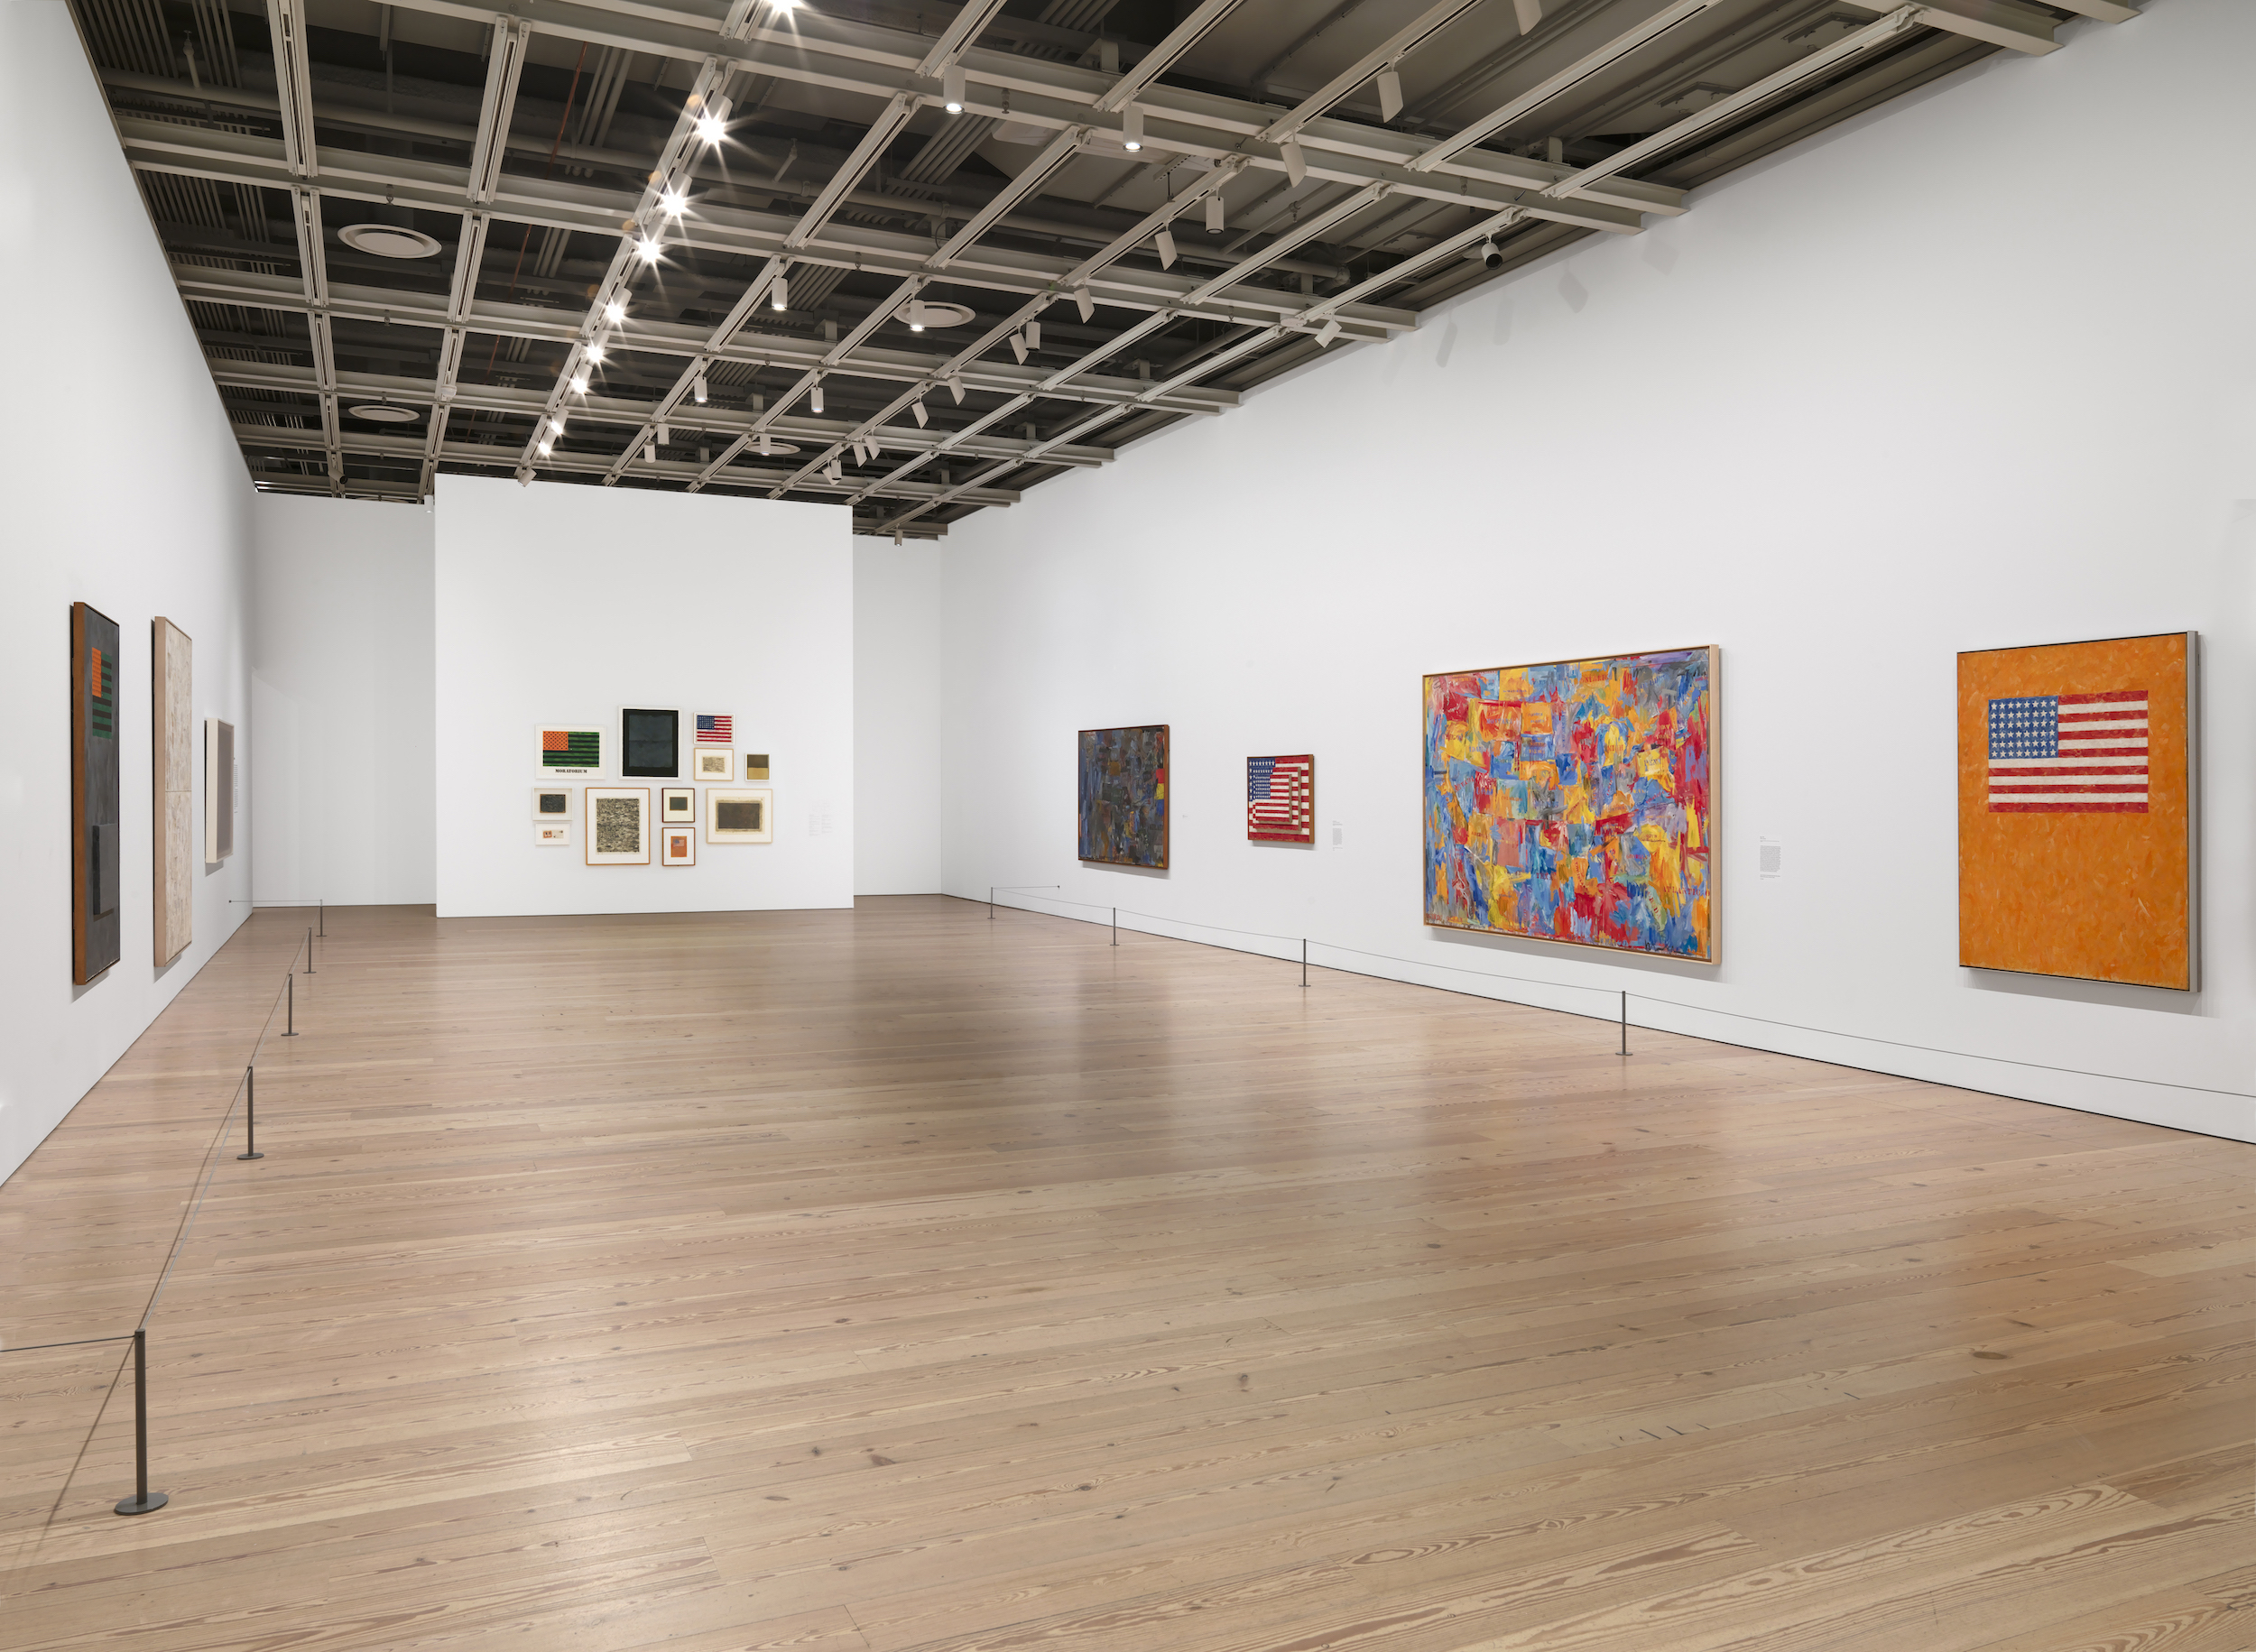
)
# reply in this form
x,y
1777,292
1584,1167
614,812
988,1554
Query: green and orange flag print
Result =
x,y
572,748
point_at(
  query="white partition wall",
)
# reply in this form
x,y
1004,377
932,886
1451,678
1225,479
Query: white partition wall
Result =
x,y
341,681
560,602
898,768
165,531
1910,388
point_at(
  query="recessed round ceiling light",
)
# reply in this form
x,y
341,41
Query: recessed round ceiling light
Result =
x,y
384,413
387,241
922,316
775,449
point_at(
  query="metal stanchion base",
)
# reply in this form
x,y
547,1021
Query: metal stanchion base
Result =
x,y
249,1155
135,1505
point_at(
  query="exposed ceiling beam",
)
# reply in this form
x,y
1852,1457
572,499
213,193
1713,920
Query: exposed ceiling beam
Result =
x,y
1386,54
871,61
2002,22
385,308
570,204
1161,58
505,63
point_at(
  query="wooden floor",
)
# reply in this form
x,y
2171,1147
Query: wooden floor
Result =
x,y
896,1279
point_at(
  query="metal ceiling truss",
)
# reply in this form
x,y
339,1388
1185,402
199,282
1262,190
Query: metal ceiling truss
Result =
x,y
1385,214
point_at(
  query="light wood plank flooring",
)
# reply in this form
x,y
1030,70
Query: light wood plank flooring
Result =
x,y
895,1279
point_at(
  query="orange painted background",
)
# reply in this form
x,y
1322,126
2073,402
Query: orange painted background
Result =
x,y
2099,896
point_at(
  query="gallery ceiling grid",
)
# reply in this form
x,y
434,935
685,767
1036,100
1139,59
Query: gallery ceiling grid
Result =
x,y
909,259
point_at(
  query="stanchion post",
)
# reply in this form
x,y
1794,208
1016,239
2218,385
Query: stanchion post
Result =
x,y
991,903
250,1114
1625,1023
321,916
290,1014
309,952
143,1500
1116,926
1304,960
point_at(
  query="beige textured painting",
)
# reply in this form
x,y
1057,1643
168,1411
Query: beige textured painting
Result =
x,y
172,747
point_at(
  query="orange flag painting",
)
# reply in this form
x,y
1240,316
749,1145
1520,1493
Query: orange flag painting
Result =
x,y
2076,810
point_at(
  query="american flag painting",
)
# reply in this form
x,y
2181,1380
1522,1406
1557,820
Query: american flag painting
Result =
x,y
714,728
1280,799
2069,754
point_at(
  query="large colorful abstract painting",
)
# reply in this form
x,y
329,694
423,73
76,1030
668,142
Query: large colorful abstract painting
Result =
x,y
1573,801
2075,810
1122,783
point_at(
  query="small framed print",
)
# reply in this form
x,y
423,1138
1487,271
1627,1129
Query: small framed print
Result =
x,y
552,834
712,763
713,728
551,803
618,825
746,817
677,845
677,806
569,748
650,744
755,765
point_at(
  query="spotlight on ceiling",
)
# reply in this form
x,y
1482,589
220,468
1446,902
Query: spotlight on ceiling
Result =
x,y
952,88
1489,252
780,295
920,314
546,448
1132,129
646,249
1330,331
556,423
814,399
387,241
614,312
701,390
579,384
595,354
673,202
713,123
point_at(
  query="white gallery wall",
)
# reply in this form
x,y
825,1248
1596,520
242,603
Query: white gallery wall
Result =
x,y
165,531
1917,387
568,603
345,801
897,768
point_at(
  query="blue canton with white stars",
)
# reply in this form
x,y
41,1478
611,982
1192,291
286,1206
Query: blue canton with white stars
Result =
x,y
2026,726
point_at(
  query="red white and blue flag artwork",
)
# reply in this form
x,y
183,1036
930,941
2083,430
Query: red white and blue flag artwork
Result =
x,y
2069,754
714,728
1280,799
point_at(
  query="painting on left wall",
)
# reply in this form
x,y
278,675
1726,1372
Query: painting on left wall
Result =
x,y
95,923
172,789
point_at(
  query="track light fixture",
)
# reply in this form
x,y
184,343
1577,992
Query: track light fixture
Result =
x,y
1033,334
1165,242
1296,164
780,295
579,384
1390,88
713,123
595,354
546,448
701,390
673,202
650,453
1132,129
1018,346
1214,214
917,407
1083,302
1329,332
767,446
814,399
952,88
646,249
556,423
665,434
956,387
1491,254
614,311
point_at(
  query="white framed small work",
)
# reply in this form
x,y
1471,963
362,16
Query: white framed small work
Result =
x,y
741,815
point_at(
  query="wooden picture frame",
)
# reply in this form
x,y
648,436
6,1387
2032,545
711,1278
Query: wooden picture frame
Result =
x,y
740,814
650,744
219,784
716,763
96,671
171,790
677,844
1123,809
2079,810
569,749
678,806
1574,800
617,826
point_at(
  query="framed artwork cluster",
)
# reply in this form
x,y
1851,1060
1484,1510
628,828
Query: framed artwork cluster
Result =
x,y
616,824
